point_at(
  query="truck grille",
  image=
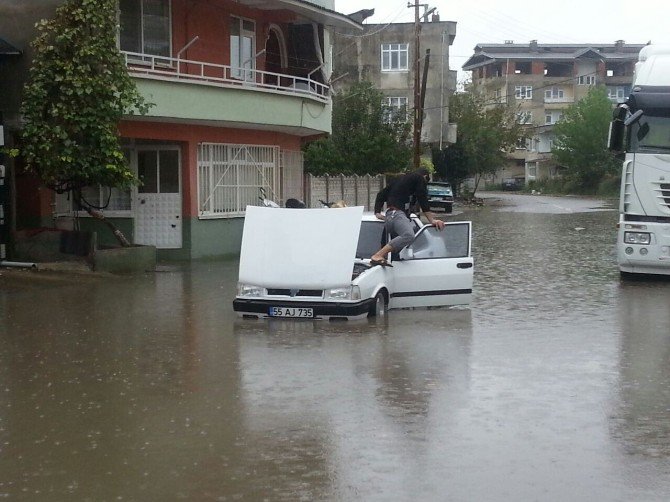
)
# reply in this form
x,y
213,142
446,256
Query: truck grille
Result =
x,y
664,194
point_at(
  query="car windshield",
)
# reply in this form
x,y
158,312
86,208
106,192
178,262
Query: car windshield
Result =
x,y
439,189
369,238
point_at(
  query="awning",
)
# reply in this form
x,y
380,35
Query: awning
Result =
x,y
306,10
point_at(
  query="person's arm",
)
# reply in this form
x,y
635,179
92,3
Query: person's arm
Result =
x,y
439,224
379,202
422,199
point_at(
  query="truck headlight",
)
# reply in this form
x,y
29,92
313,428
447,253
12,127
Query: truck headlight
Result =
x,y
249,290
637,238
347,293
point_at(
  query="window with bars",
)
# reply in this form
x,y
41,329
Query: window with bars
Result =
x,y
113,201
396,107
230,177
395,57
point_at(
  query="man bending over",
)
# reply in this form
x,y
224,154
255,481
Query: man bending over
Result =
x,y
397,196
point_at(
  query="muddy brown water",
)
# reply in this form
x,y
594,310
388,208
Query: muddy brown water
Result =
x,y
553,385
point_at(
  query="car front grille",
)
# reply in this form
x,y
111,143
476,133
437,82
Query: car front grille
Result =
x,y
295,292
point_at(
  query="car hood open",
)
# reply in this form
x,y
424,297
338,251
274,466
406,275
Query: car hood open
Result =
x,y
299,248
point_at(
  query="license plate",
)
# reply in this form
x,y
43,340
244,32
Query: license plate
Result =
x,y
291,312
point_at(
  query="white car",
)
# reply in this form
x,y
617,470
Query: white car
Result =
x,y
315,264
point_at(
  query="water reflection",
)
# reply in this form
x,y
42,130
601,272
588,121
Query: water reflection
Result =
x,y
335,396
553,385
642,421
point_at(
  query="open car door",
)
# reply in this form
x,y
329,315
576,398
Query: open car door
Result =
x,y
436,269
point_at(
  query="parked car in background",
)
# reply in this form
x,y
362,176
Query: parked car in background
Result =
x,y
441,195
512,184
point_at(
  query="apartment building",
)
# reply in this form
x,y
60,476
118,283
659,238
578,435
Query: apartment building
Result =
x,y
384,54
238,87
541,81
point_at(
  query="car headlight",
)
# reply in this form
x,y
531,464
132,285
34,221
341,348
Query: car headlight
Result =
x,y
348,293
637,238
249,290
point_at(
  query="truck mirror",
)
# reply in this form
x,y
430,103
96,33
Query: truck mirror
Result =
x,y
616,135
633,118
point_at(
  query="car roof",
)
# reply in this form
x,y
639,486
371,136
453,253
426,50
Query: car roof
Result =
x,y
367,216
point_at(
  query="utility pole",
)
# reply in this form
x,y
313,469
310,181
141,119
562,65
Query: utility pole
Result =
x,y
417,85
418,101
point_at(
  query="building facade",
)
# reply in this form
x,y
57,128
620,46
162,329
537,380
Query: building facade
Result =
x,y
385,55
541,81
238,86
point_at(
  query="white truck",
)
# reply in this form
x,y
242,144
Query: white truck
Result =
x,y
640,132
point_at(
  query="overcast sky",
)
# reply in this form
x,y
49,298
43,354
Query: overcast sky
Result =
x,y
556,21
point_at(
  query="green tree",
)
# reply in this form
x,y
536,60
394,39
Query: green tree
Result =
x,y
451,164
78,91
486,132
368,136
580,145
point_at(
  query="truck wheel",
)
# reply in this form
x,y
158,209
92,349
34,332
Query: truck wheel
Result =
x,y
449,208
379,307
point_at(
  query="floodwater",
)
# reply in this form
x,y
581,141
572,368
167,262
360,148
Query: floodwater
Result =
x,y
553,385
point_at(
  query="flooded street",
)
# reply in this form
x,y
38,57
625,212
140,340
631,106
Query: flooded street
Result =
x,y
553,385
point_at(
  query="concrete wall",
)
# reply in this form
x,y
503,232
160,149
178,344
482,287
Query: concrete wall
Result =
x,y
359,58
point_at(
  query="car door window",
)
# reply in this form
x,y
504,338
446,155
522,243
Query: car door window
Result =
x,y
370,238
452,242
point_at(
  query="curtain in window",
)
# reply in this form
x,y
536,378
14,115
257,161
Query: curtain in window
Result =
x,y
145,26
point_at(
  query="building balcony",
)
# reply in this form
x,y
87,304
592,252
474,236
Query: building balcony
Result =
x,y
199,92
564,99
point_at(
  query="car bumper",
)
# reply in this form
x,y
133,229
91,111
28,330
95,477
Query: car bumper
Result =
x,y
322,310
440,202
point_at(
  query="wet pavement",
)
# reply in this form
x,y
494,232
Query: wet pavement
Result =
x,y
553,385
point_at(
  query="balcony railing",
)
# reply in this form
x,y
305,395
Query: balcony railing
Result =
x,y
198,72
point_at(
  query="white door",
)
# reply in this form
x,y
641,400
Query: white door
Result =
x,y
158,218
436,269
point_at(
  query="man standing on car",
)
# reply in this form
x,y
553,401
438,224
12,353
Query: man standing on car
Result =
x,y
397,196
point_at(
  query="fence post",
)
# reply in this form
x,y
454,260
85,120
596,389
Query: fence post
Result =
x,y
357,180
341,187
327,188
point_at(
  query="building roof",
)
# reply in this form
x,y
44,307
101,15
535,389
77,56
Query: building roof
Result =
x,y
490,53
307,9
7,49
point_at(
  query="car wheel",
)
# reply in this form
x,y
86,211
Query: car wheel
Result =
x,y
448,208
379,307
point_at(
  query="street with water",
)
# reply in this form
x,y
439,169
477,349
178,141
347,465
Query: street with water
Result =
x,y
553,385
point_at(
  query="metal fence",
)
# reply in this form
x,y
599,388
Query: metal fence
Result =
x,y
353,190
292,182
